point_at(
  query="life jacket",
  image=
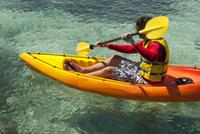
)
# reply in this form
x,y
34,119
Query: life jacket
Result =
x,y
154,71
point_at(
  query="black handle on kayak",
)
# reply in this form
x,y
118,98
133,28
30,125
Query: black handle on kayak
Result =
x,y
115,39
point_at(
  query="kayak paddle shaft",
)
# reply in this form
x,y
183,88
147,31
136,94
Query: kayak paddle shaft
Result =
x,y
115,39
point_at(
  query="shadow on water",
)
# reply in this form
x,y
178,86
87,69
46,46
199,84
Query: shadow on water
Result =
x,y
142,122
118,11
197,45
9,68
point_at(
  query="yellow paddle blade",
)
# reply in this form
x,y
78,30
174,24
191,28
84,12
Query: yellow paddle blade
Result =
x,y
83,48
156,27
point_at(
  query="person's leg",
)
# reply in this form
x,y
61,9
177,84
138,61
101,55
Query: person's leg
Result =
x,y
112,61
105,72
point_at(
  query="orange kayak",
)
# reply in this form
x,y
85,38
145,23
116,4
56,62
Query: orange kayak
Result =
x,y
182,83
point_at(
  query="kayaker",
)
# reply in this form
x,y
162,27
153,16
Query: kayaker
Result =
x,y
150,69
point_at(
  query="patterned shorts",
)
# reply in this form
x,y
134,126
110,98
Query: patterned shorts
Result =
x,y
128,71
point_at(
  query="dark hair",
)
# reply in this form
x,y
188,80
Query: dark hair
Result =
x,y
141,22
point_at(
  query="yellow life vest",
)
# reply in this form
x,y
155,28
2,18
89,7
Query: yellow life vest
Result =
x,y
154,71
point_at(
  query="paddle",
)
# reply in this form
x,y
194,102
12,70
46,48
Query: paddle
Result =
x,y
154,29
83,48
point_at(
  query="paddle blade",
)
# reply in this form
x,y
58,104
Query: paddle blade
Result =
x,y
156,27
83,48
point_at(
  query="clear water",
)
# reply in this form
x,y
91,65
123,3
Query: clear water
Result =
x,y
32,103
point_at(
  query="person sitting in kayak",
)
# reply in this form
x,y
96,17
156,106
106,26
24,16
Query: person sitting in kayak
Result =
x,y
151,68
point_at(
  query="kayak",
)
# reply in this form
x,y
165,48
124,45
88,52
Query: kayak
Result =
x,y
181,83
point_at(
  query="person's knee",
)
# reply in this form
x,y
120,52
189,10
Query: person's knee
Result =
x,y
114,57
108,71
112,61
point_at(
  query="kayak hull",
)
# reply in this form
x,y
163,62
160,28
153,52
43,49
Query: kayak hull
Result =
x,y
51,65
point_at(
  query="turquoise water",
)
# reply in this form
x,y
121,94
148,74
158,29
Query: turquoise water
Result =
x,y
32,103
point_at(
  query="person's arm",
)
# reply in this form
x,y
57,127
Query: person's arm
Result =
x,y
129,49
155,52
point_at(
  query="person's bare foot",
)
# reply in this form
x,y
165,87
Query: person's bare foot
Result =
x,y
66,66
75,67
70,65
